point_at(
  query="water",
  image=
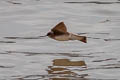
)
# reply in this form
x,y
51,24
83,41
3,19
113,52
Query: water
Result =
x,y
26,55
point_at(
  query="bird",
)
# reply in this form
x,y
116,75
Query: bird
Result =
x,y
60,33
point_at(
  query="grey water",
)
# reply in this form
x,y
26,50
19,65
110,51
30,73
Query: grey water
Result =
x,y
26,55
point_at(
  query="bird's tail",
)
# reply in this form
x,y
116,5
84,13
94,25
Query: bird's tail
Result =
x,y
80,38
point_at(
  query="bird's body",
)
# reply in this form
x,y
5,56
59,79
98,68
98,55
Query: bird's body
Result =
x,y
59,32
62,37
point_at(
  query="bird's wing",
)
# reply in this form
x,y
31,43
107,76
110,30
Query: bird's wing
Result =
x,y
60,27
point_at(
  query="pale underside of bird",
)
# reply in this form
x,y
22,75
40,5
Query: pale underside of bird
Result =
x,y
59,32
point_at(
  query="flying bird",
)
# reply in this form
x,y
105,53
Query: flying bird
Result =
x,y
59,32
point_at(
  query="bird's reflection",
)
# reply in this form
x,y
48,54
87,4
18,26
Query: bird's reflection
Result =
x,y
60,69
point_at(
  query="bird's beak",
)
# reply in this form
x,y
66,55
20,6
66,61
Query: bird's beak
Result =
x,y
44,36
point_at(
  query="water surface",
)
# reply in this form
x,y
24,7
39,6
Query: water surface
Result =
x,y
26,55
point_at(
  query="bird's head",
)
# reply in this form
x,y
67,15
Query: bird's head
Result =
x,y
49,34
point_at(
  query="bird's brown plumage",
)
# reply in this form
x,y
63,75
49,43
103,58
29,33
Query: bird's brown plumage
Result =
x,y
60,27
59,32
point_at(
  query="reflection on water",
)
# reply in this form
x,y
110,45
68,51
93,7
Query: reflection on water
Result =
x,y
6,66
61,68
38,37
7,42
107,20
112,39
69,79
25,55
14,2
59,72
105,60
59,79
96,2
54,54
94,33
67,62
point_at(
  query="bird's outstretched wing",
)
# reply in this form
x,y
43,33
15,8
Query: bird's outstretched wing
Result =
x,y
60,27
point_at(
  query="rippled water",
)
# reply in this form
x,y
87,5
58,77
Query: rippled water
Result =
x,y
26,55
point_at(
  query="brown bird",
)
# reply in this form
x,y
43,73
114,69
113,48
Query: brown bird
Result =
x,y
59,32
